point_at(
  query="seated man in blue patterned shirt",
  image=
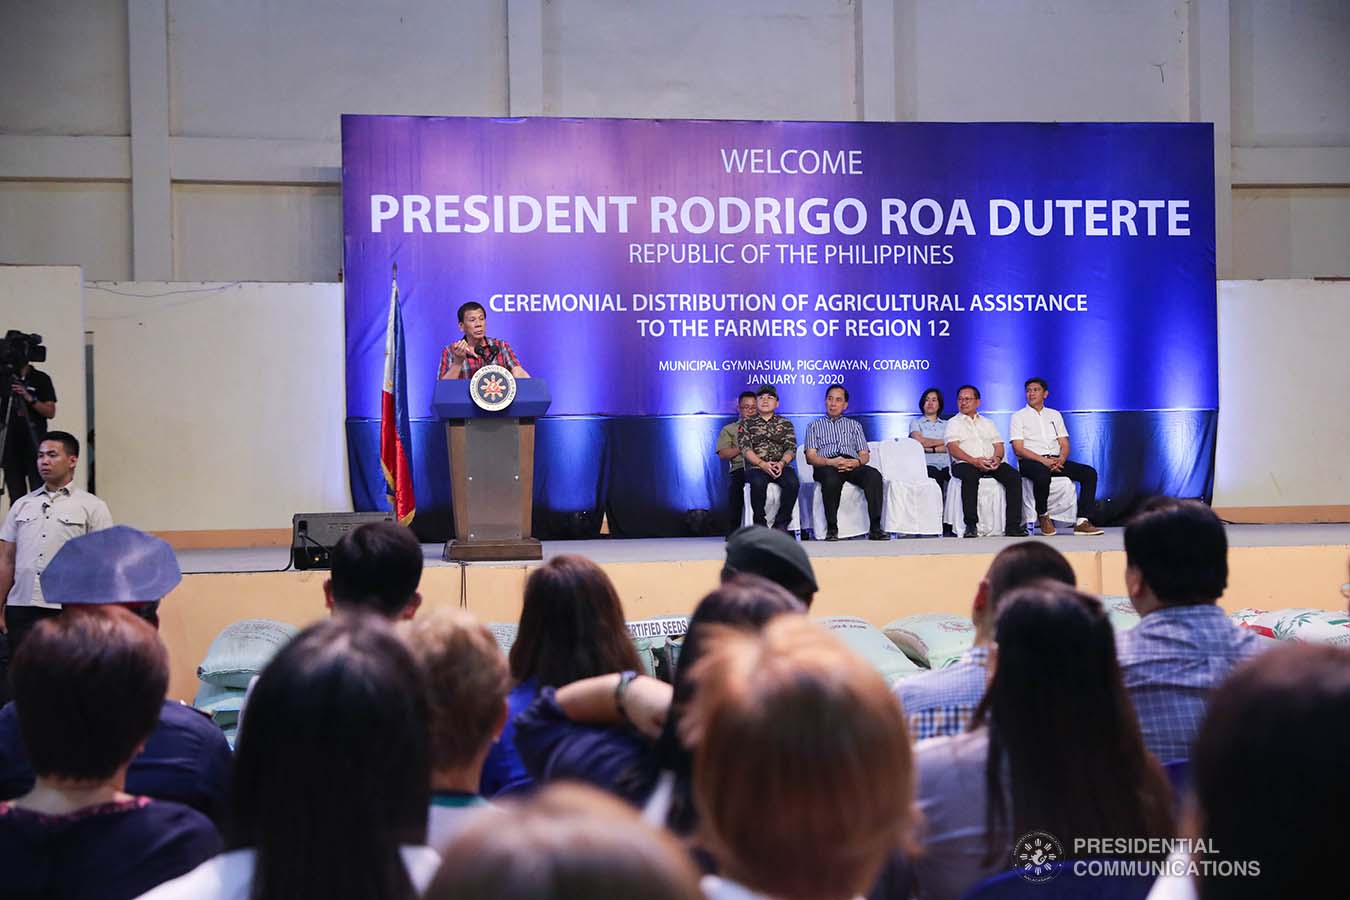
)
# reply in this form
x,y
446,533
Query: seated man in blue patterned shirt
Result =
x,y
1176,568
942,702
836,449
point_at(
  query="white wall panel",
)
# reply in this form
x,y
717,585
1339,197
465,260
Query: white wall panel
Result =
x,y
49,300
232,232
1291,233
1042,60
1291,73
63,67
1283,372
67,223
219,406
291,68
756,59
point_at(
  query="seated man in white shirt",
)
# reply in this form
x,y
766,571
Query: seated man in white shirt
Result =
x,y
1041,442
976,449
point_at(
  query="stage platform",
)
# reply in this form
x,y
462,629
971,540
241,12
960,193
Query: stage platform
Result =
x,y
1271,566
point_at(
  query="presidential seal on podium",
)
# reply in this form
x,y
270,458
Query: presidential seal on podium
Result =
x,y
492,388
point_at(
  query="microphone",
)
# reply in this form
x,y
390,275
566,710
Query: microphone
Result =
x,y
490,352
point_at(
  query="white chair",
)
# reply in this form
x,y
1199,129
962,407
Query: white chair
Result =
x,y
775,496
991,512
853,519
1063,503
912,501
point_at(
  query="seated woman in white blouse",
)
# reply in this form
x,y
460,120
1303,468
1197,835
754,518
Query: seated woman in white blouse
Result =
x,y
930,430
331,778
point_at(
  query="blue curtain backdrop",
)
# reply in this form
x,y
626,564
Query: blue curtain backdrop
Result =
x,y
647,473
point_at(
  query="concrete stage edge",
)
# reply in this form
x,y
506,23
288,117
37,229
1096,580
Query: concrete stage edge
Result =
x,y
1270,567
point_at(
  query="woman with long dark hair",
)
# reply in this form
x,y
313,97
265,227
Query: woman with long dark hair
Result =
x,y
331,779
578,731
1054,747
571,627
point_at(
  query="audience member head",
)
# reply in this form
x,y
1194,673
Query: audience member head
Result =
x,y
802,771
1015,566
119,566
467,682
746,404
331,772
571,625
567,842
745,601
771,554
88,687
934,394
1269,772
376,568
1057,710
1176,554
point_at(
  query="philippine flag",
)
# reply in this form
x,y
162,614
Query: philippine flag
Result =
x,y
395,434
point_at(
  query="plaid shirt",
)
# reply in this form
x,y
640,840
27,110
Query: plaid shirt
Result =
x,y
1170,661
943,701
505,357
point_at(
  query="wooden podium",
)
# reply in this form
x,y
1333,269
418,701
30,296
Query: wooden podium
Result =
x,y
491,471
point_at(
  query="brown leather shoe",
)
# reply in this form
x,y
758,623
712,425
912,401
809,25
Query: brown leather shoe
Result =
x,y
1046,525
1086,527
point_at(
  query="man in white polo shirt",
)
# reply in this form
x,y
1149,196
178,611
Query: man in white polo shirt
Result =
x,y
1041,442
976,449
37,525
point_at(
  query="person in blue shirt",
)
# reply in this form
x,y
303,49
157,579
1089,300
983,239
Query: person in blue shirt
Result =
x,y
1176,569
836,448
571,627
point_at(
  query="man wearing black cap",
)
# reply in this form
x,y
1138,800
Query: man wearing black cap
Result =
x,y
186,759
769,443
770,554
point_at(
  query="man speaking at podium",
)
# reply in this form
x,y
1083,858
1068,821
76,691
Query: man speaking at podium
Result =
x,y
475,350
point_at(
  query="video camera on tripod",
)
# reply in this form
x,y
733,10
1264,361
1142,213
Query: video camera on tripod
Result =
x,y
17,350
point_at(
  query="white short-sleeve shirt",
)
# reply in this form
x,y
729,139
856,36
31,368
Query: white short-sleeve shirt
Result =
x,y
39,524
975,434
1039,432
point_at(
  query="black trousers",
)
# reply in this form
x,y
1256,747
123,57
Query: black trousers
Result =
x,y
832,482
941,476
759,481
19,620
736,497
1039,476
1005,475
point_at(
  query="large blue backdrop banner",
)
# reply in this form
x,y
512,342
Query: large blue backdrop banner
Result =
x,y
651,270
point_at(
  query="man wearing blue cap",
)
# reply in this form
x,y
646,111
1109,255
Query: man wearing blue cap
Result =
x,y
187,758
